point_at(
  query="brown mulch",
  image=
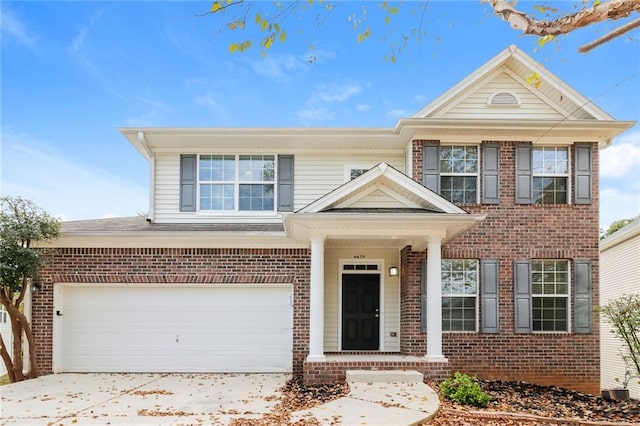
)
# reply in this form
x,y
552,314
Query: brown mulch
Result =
x,y
517,403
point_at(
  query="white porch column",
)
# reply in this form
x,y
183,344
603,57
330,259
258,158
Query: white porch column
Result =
x,y
434,301
316,300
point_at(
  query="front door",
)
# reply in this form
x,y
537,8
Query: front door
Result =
x,y
360,311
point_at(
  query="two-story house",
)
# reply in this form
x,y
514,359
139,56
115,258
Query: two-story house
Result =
x,y
464,238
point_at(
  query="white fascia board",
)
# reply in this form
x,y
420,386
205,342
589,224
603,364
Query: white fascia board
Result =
x,y
561,86
631,230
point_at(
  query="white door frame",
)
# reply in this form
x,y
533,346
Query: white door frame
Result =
x,y
379,271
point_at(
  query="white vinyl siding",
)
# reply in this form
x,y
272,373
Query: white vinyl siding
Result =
x,y
316,174
378,199
389,303
619,275
474,105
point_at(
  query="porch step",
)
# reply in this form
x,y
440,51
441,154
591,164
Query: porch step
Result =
x,y
384,376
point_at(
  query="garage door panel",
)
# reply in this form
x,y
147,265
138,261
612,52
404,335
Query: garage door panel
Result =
x,y
181,329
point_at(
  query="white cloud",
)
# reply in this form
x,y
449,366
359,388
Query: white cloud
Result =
x,y
208,101
337,92
622,158
12,28
396,113
279,67
616,204
36,170
316,113
78,40
363,107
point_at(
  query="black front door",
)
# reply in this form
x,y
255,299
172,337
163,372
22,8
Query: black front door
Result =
x,y
360,311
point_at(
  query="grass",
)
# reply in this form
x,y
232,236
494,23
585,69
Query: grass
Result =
x,y
4,380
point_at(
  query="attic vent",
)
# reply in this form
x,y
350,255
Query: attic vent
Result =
x,y
503,99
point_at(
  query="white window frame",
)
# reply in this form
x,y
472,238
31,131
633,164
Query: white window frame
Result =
x,y
476,174
477,296
566,175
555,295
236,190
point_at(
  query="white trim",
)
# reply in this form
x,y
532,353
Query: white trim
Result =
x,y
477,296
492,97
356,166
381,301
477,174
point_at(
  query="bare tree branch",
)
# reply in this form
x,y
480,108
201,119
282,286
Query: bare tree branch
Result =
x,y
610,10
610,36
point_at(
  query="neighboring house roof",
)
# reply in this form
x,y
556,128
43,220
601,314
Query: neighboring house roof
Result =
x,y
623,234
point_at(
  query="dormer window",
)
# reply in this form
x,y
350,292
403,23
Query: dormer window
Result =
x,y
503,99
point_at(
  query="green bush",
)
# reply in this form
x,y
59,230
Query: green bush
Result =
x,y
465,390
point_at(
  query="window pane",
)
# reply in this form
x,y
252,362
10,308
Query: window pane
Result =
x,y
256,197
550,277
216,197
459,290
257,168
217,168
548,190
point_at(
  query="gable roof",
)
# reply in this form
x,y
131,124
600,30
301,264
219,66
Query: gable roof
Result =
x,y
519,65
410,194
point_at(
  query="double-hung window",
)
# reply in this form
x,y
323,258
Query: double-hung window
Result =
x,y
237,182
459,173
550,295
459,294
550,170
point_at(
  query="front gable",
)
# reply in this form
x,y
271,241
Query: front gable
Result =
x,y
512,86
382,187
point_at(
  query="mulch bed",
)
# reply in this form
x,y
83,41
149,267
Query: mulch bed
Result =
x,y
517,403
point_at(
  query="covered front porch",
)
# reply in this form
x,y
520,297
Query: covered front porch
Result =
x,y
375,275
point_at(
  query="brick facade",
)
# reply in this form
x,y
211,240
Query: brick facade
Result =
x,y
511,232
174,266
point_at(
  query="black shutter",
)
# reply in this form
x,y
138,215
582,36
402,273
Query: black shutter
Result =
x,y
522,292
490,300
423,296
285,183
582,296
524,178
490,173
583,174
188,173
431,166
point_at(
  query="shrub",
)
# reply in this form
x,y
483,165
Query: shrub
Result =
x,y
465,390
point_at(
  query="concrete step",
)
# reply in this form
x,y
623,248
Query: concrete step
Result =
x,y
384,376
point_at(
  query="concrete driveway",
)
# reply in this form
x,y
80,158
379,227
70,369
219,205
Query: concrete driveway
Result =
x,y
139,399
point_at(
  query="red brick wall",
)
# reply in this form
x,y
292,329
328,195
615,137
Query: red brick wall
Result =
x,y
171,266
510,232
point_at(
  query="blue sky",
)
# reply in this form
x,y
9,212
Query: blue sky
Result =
x,y
73,72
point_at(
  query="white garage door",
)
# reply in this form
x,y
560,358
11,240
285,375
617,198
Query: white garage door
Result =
x,y
176,329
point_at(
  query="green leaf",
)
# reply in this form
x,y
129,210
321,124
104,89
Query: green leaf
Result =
x,y
596,3
258,18
393,10
282,37
215,6
363,36
236,24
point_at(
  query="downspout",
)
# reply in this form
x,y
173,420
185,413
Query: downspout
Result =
x,y
152,176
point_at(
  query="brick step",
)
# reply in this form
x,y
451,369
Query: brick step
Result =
x,y
384,376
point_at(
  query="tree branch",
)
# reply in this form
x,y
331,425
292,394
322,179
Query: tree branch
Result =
x,y
610,10
610,36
